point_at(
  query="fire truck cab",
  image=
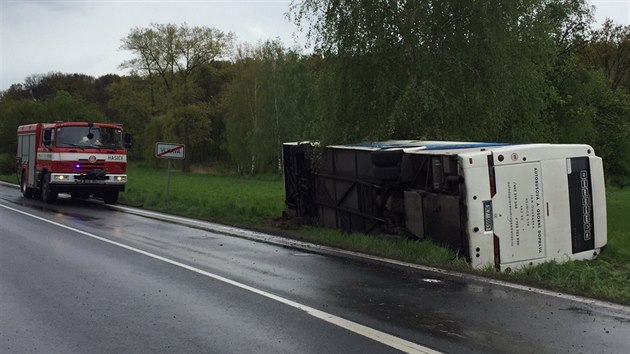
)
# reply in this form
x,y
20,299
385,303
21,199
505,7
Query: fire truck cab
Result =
x,y
80,158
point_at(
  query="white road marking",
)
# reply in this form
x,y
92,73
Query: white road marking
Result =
x,y
259,236
427,280
368,332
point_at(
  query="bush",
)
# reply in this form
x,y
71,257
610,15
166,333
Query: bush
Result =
x,y
7,164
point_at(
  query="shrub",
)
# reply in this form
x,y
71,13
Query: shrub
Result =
x,y
7,164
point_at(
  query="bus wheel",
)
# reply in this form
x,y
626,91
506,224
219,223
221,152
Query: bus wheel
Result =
x,y
48,195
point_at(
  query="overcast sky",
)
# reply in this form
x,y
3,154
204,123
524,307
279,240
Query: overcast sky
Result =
x,y
83,36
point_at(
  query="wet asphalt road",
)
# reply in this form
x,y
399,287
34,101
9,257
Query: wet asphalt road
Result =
x,y
62,291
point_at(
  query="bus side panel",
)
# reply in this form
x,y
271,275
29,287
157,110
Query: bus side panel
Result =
x,y
557,210
599,214
474,169
583,230
599,202
519,212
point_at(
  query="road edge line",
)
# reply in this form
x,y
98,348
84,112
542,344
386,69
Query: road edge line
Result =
x,y
357,328
312,247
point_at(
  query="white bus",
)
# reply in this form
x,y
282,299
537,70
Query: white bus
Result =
x,y
502,205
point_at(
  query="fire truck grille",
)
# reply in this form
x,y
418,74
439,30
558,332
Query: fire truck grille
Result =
x,y
87,167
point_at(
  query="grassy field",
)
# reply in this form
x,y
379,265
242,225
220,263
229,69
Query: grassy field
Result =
x,y
258,203
224,198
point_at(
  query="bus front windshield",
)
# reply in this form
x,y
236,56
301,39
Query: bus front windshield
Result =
x,y
86,137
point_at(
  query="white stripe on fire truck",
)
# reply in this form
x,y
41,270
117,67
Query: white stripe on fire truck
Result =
x,y
72,156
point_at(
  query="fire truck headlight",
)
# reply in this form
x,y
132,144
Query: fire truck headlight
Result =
x,y
61,177
121,178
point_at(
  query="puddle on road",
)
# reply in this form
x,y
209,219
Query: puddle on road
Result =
x,y
579,310
302,254
36,204
428,280
591,313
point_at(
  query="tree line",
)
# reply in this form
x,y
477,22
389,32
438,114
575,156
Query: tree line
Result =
x,y
487,70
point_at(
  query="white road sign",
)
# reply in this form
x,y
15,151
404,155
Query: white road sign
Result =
x,y
169,151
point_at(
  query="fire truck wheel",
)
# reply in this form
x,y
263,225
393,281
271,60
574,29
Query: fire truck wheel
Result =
x,y
48,195
26,192
110,197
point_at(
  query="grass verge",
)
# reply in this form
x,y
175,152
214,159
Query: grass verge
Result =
x,y
258,202
224,198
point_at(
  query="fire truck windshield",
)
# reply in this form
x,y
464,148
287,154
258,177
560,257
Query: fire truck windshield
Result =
x,y
89,137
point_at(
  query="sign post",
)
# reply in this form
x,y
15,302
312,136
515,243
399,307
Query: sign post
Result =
x,y
169,151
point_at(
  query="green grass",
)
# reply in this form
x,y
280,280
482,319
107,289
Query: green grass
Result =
x,y
618,207
423,252
258,203
606,277
8,177
225,198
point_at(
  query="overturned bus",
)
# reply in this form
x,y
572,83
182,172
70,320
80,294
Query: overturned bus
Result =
x,y
501,205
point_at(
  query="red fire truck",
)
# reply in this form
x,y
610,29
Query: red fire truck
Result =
x,y
79,158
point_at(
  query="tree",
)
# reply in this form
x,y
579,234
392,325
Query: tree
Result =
x,y
213,79
65,107
405,69
13,113
242,103
266,104
171,55
61,106
42,86
102,96
609,50
171,52
606,56
130,103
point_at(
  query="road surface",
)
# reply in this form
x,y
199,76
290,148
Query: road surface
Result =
x,y
82,277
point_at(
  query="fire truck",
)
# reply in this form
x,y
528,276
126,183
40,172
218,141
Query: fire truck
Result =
x,y
80,158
